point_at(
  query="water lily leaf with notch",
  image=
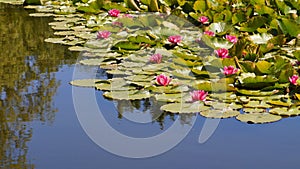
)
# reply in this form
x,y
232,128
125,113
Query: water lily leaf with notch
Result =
x,y
168,89
220,113
141,39
186,62
252,24
257,82
289,26
280,103
254,110
263,67
186,55
256,92
84,82
262,38
127,95
257,104
220,28
194,107
283,111
173,97
127,45
115,84
258,118
140,78
183,74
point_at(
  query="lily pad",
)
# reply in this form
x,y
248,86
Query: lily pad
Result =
x,y
219,113
127,95
283,111
258,118
185,107
84,82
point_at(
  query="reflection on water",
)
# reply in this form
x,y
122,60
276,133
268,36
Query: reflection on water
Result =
x,y
27,81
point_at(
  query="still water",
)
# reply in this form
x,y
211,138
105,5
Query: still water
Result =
x,y
39,127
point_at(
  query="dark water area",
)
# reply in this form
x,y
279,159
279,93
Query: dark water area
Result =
x,y
39,128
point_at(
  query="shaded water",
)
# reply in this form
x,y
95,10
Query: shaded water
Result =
x,y
39,128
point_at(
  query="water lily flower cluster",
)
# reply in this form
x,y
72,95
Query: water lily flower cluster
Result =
x,y
229,70
198,95
163,80
156,58
175,39
293,79
231,38
222,53
203,19
114,12
209,33
103,34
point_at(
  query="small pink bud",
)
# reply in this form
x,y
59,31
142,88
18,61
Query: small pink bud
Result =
x,y
209,33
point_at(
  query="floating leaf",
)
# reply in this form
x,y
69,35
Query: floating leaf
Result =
x,y
283,111
184,107
127,95
219,113
173,97
84,82
256,92
258,118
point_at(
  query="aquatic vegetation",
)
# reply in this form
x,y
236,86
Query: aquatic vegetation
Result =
x,y
245,65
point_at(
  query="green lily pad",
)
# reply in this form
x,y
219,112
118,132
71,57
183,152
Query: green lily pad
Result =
x,y
280,103
169,89
92,62
219,113
127,95
256,92
258,118
84,82
184,107
173,97
257,104
254,110
283,111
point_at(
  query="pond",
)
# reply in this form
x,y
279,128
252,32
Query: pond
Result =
x,y
40,129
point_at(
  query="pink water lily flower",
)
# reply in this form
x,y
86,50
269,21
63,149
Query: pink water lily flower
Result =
x,y
229,70
103,34
175,39
203,19
293,79
114,12
209,33
156,58
231,38
222,53
198,95
163,80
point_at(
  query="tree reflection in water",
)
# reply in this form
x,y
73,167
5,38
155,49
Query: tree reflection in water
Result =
x,y
27,81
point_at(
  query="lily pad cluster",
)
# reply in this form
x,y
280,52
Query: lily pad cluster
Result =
x,y
249,72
